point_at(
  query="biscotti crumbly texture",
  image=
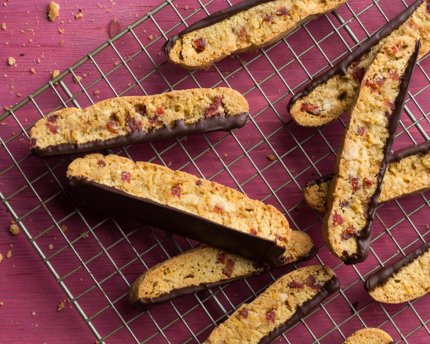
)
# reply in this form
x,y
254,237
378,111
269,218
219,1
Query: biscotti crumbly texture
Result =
x,y
364,151
204,267
186,192
369,336
409,176
119,118
276,307
404,280
250,29
334,97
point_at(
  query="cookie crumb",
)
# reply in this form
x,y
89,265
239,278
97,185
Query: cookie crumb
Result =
x,y
427,226
60,306
53,10
169,164
33,313
186,7
33,71
77,78
64,228
96,92
271,157
55,73
226,155
11,61
1,257
14,229
150,37
1,303
79,15
50,247
60,30
9,254
61,42
3,26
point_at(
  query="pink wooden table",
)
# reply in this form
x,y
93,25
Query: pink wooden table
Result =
x,y
27,286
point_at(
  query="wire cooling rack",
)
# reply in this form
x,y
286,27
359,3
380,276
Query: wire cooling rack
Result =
x,y
95,257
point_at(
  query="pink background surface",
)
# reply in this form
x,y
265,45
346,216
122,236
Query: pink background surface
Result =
x,y
26,285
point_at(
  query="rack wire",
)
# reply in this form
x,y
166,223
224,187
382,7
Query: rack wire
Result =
x,y
97,257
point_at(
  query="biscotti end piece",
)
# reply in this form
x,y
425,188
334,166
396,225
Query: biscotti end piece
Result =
x,y
369,336
365,148
203,268
404,280
126,120
315,192
278,308
241,28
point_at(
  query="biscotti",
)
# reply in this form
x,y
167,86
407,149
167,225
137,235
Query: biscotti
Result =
x,y
331,94
408,173
404,280
365,149
206,267
246,26
181,204
126,120
369,336
278,308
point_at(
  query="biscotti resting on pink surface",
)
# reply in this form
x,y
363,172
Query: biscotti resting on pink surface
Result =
x,y
369,336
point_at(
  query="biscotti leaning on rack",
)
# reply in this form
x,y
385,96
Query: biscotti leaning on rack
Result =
x,y
408,173
278,308
365,149
181,204
126,120
246,26
369,336
207,267
404,280
331,94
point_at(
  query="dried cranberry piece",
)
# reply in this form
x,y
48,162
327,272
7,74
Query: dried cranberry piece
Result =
x,y
271,316
337,219
132,124
212,110
358,74
101,163
282,11
312,109
220,258
428,6
343,203
253,231
126,177
200,44
160,110
229,266
348,233
394,49
361,131
380,82
154,120
295,284
394,76
52,128
112,127
268,17
374,85
312,283
412,26
367,182
387,114
354,182
218,210
242,33
176,191
199,182
32,142
389,104
277,236
52,118
243,313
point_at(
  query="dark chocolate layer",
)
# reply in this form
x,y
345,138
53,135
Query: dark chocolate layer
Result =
x,y
211,20
119,203
146,304
320,180
363,237
342,66
204,125
381,276
329,288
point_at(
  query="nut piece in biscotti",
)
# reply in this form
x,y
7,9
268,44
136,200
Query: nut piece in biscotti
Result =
x,y
203,268
408,173
369,336
404,280
278,308
364,151
333,97
125,120
241,28
183,191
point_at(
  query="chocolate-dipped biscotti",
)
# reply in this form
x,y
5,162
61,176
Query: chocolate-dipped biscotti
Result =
x,y
181,204
404,280
408,173
369,336
365,149
331,94
206,267
246,26
278,308
126,120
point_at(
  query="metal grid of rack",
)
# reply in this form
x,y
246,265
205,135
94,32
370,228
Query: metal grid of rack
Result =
x,y
104,263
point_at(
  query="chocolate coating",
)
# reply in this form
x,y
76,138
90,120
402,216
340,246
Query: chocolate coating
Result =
x,y
381,276
204,125
319,180
329,288
119,203
342,66
363,237
146,304
211,20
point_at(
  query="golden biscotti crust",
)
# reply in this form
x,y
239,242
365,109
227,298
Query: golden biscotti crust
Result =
x,y
369,336
333,98
203,266
245,31
119,117
359,167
